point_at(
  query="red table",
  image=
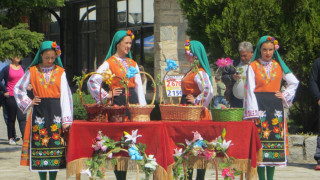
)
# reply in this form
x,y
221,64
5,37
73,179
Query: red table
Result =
x,y
161,138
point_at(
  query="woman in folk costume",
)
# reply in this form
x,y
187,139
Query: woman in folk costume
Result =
x,y
119,60
264,102
52,112
196,85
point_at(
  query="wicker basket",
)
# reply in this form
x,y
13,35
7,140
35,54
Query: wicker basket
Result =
x,y
224,115
180,113
95,112
141,113
176,112
115,113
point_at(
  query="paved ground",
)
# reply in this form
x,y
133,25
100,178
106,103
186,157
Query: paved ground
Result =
x,y
11,170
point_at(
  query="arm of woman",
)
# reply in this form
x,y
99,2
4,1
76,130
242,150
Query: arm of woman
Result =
x,y
291,88
20,93
66,103
251,109
138,88
95,82
207,88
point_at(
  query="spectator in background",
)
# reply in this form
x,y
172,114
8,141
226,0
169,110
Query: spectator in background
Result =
x,y
11,74
234,76
221,88
315,88
2,98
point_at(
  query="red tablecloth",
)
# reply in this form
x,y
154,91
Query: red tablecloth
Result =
x,y
161,138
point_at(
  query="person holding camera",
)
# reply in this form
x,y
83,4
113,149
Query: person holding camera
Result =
x,y
234,76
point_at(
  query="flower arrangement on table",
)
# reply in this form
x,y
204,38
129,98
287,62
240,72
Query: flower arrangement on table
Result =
x,y
105,147
201,147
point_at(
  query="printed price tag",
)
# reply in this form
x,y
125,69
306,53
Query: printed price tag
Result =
x,y
173,86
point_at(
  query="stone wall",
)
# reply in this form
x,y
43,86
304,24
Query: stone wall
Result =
x,y
169,34
302,148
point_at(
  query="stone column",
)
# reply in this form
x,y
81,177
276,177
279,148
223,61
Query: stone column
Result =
x,y
103,25
169,34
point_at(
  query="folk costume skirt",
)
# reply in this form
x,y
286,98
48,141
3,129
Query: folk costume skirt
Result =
x,y
271,129
46,144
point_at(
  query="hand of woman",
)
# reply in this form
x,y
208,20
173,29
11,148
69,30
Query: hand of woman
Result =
x,y
65,128
114,92
6,94
279,95
255,120
190,98
36,100
29,88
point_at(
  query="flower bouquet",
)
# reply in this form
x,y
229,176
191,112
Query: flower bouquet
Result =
x,y
105,148
201,147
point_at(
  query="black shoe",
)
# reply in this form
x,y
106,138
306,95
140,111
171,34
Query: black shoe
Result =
x,y
16,139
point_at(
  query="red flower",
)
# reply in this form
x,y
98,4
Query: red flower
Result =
x,y
38,163
259,129
276,129
54,45
55,136
269,38
44,131
187,40
129,33
36,137
265,124
281,125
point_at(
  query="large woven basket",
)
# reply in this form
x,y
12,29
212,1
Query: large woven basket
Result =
x,y
176,112
180,113
95,112
224,115
141,113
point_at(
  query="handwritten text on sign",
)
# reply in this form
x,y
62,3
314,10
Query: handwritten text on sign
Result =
x,y
173,86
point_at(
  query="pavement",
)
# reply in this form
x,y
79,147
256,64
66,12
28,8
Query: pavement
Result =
x,y
10,168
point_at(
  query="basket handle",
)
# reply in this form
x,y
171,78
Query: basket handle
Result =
x,y
81,83
154,88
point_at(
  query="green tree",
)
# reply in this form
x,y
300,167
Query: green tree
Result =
x,y
13,11
222,24
18,41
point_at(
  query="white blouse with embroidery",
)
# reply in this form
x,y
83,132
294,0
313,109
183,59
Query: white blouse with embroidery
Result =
x,y
95,82
250,102
206,89
25,102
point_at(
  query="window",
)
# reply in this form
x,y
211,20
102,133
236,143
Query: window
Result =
x,y
87,35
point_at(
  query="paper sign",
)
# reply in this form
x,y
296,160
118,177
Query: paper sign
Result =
x,y
173,86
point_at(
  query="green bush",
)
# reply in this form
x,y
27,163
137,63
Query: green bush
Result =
x,y
79,112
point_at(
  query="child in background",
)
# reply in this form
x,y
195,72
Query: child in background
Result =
x,y
221,88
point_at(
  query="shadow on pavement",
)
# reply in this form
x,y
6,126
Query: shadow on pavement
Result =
x,y
303,165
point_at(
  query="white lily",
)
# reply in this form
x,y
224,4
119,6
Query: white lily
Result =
x,y
225,145
214,142
132,137
152,164
187,142
87,172
177,152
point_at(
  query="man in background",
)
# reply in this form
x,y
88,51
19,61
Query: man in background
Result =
x,y
234,76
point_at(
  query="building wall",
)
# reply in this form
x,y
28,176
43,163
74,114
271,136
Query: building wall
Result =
x,y
169,35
